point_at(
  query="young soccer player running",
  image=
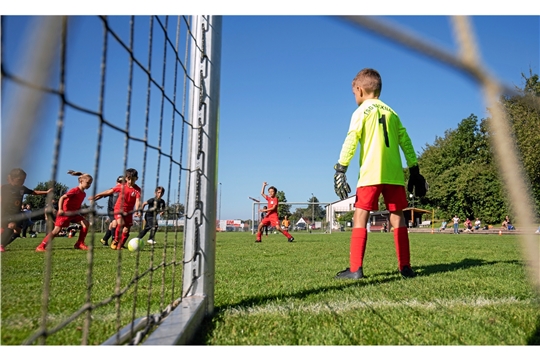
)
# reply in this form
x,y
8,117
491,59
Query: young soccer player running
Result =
x,y
271,217
378,130
129,198
69,206
156,205
110,211
11,197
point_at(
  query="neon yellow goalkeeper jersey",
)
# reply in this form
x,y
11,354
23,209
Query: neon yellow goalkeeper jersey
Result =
x,y
380,134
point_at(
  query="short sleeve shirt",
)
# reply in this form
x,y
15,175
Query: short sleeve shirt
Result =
x,y
112,201
74,199
271,203
155,206
12,196
127,197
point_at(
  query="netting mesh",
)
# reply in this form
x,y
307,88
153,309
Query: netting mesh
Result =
x,y
137,96
119,105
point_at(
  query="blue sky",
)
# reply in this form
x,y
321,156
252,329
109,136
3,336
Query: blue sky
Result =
x,y
286,97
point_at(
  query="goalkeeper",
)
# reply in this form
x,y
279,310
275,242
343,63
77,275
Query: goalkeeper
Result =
x,y
377,129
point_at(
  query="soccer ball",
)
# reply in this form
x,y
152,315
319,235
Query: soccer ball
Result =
x,y
135,244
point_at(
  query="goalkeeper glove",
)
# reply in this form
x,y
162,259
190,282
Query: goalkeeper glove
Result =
x,y
341,187
417,184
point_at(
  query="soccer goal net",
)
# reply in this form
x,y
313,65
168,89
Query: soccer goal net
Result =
x,y
103,94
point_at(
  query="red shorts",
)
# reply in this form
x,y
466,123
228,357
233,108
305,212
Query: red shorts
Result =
x,y
128,219
271,220
367,197
64,221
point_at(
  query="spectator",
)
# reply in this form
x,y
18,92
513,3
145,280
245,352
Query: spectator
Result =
x,y
285,223
509,225
468,225
477,224
443,225
28,224
455,219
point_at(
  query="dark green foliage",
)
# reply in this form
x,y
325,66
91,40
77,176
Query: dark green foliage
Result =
x,y
462,171
524,114
462,176
38,201
283,208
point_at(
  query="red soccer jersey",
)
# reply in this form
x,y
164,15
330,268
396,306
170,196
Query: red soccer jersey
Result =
x,y
127,197
74,199
271,203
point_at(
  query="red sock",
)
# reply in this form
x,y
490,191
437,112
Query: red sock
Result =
x,y
286,233
259,234
46,240
82,235
401,241
117,234
124,238
358,248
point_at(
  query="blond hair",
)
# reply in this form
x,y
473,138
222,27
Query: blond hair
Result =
x,y
81,175
370,80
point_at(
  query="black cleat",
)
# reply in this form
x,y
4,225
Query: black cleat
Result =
x,y
347,274
258,240
407,272
291,239
104,242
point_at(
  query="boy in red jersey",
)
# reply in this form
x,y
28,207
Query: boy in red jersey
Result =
x,y
68,206
129,198
11,196
377,129
111,230
271,217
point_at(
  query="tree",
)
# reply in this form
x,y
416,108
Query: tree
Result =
x,y
283,208
462,175
39,201
174,211
346,217
523,112
315,211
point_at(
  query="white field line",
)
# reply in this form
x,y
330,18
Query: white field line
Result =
x,y
340,306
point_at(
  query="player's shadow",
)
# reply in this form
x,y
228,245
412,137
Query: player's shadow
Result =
x,y
464,264
378,278
534,339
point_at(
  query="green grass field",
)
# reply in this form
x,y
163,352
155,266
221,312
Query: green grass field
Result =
x,y
470,290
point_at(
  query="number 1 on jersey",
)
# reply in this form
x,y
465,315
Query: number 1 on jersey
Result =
x,y
382,120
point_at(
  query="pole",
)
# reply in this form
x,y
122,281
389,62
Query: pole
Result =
x,y
219,211
312,210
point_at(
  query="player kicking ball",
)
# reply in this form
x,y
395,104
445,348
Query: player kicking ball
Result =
x,y
377,129
271,218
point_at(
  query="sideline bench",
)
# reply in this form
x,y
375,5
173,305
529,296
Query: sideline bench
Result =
x,y
425,223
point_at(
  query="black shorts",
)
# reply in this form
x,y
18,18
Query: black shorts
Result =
x,y
150,221
19,220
